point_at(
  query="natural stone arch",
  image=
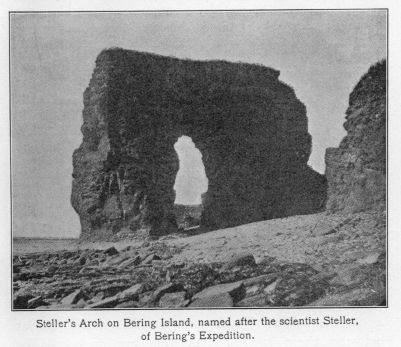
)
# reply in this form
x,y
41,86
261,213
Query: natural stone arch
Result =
x,y
250,128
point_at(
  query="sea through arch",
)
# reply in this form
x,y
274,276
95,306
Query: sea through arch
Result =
x,y
190,184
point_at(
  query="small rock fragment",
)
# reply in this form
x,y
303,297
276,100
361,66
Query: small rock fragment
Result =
x,y
271,287
217,300
167,288
370,259
146,300
265,279
150,258
20,301
173,300
80,304
36,302
99,296
106,303
253,290
129,262
258,300
81,260
240,260
52,269
72,298
132,292
128,304
110,251
355,297
235,289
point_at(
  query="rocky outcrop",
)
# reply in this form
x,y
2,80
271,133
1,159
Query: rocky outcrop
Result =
x,y
103,283
250,128
356,170
60,280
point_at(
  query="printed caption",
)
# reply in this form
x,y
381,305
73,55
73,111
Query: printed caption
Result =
x,y
190,329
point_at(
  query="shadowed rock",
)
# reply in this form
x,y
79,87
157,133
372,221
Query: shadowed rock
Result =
x,y
356,170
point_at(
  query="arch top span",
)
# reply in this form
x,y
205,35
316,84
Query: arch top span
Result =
x,y
250,128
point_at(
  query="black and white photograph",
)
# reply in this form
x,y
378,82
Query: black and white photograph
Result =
x,y
198,159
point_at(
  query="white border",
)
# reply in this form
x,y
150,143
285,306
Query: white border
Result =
x,y
377,326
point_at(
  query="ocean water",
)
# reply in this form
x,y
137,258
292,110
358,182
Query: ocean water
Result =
x,y
26,245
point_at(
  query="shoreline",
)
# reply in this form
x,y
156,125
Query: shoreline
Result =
x,y
315,260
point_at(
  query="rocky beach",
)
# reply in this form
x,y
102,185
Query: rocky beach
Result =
x,y
314,260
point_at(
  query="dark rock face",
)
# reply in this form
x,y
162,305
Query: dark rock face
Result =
x,y
250,128
356,170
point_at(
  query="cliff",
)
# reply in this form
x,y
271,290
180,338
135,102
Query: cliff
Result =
x,y
356,170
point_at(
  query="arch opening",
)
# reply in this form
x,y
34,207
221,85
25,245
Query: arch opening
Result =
x,y
190,184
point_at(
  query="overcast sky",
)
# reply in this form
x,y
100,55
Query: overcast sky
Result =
x,y
321,54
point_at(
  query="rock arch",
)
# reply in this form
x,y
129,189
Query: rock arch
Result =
x,y
250,128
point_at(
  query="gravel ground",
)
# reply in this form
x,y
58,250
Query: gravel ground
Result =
x,y
320,240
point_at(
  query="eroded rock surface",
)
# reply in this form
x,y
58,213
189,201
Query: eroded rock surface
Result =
x,y
250,128
356,170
